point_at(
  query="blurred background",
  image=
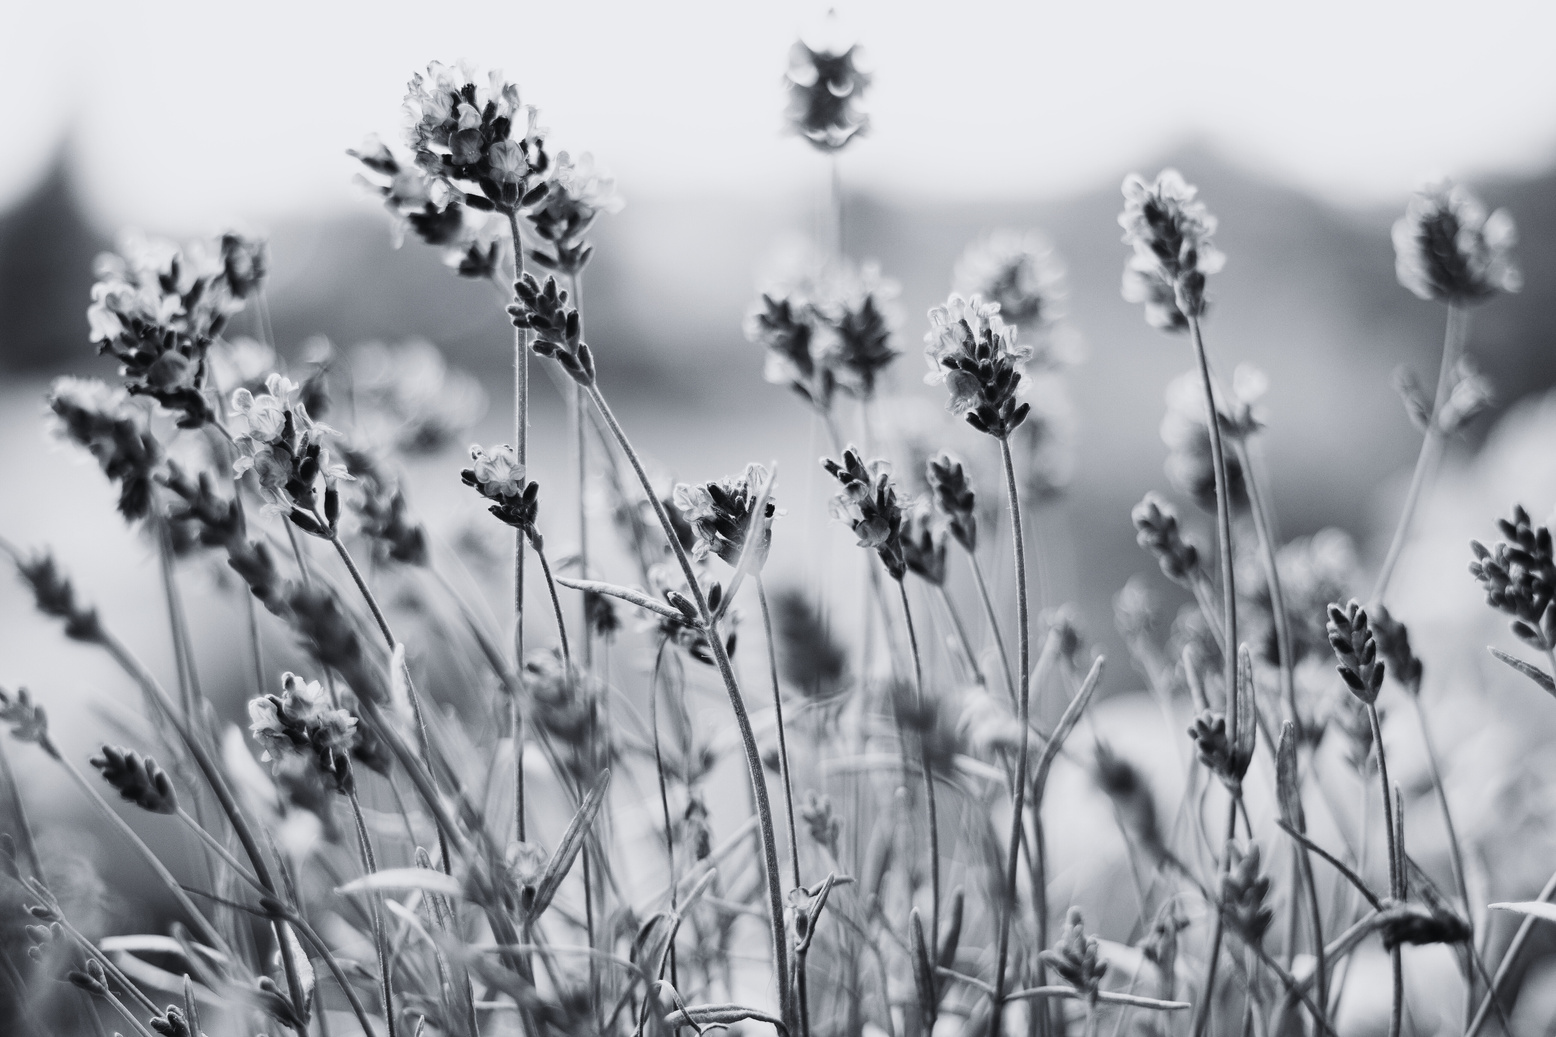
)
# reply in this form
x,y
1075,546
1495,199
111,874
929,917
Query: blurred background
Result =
x,y
1305,126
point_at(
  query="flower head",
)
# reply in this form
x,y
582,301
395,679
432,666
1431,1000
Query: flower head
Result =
x,y
1244,890
785,326
157,309
497,475
924,543
1169,231
422,402
1186,434
975,354
1019,272
285,450
300,722
1074,956
1156,530
101,418
722,515
951,489
1356,650
868,504
579,193
1446,247
826,84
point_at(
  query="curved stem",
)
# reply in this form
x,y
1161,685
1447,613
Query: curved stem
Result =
x,y
737,704
1396,865
1024,695
1223,511
520,440
783,741
928,774
1268,549
1207,995
994,626
375,918
1431,445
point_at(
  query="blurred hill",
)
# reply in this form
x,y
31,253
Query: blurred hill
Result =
x,y
1308,295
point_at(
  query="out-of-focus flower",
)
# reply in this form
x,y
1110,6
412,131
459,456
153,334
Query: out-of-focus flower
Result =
x,y
101,418
245,263
826,85
1074,956
821,820
954,497
156,309
300,721
825,329
382,510
1156,530
1244,890
809,659
1446,247
1020,272
1314,571
785,326
722,516
975,354
579,193
868,504
426,404
1187,437
1169,231
924,543
856,339
137,779
285,450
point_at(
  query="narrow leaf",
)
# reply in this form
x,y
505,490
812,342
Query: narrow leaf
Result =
x,y
405,878
1287,779
627,594
1067,722
923,973
562,858
1529,670
1532,908
953,931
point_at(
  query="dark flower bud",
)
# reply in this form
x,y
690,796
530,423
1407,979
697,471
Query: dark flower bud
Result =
x,y
1244,890
953,495
1074,956
1394,646
924,545
55,596
1156,530
1356,650
137,778
868,504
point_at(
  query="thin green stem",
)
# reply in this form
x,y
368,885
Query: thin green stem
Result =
x,y
1396,865
1207,995
960,629
1002,938
737,704
783,739
927,771
520,439
375,917
1454,334
994,626
1223,511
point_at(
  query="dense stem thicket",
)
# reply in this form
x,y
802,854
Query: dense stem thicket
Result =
x,y
356,868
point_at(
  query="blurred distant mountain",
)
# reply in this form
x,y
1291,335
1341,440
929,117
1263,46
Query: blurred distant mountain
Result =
x,y
1308,295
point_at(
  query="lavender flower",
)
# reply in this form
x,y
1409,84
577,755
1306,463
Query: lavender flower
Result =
x,y
284,448
103,420
1519,578
1356,651
299,721
954,497
1156,530
1170,234
157,309
497,475
785,326
137,779
924,544
722,519
826,84
1189,465
1075,955
1020,273
1244,891
868,504
579,193
413,398
1446,247
974,353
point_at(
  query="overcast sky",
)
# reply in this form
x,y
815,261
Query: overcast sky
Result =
x,y
187,115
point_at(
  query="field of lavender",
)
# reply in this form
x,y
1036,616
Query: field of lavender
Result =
x,y
537,744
